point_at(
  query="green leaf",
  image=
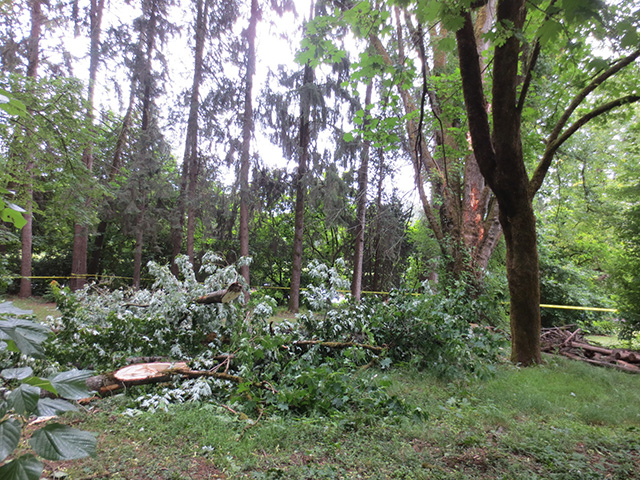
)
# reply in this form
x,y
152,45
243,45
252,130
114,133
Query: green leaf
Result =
x,y
12,216
26,467
24,399
53,406
16,373
72,384
548,31
9,437
27,335
60,442
348,137
42,383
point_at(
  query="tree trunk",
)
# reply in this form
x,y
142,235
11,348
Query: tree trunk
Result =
x,y
33,52
524,283
247,130
190,163
301,188
361,213
116,163
500,159
137,253
81,231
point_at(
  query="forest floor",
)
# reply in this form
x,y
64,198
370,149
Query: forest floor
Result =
x,y
561,420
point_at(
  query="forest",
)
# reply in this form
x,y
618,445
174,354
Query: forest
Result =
x,y
273,196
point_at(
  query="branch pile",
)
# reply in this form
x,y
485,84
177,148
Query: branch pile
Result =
x,y
572,344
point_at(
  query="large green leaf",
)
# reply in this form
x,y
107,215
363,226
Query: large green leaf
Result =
x,y
72,384
16,373
27,335
24,399
26,467
9,437
42,383
59,442
54,406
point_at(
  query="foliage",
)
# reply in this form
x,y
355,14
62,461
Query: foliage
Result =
x,y
21,341
102,328
438,331
282,366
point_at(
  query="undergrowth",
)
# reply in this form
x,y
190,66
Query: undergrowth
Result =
x,y
320,363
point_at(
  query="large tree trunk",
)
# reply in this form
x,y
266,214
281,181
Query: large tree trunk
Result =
x,y
81,231
301,188
247,130
523,276
500,159
361,213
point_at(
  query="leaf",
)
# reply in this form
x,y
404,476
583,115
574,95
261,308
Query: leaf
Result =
x,y
53,406
16,373
9,437
60,442
348,137
27,335
42,383
26,467
24,399
72,384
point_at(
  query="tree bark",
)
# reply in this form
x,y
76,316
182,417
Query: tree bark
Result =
x,y
361,211
81,231
33,52
301,188
190,163
247,131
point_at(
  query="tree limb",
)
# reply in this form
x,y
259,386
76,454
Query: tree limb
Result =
x,y
595,83
543,167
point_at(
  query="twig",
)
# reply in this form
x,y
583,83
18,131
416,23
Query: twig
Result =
x,y
250,425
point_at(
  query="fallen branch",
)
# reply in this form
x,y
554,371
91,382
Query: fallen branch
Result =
x,y
225,295
340,345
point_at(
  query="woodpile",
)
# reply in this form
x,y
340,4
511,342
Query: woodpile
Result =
x,y
572,344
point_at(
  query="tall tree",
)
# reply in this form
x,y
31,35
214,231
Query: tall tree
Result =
x,y
81,231
498,148
247,132
190,162
33,59
304,134
361,208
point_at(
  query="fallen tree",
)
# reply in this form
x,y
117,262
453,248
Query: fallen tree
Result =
x,y
163,371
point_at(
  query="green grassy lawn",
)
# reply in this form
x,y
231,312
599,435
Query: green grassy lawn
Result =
x,y
563,420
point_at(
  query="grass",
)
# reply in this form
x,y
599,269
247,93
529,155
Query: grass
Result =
x,y
41,307
608,341
563,420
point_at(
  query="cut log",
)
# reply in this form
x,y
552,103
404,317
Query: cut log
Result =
x,y
144,373
225,295
591,348
630,369
627,356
